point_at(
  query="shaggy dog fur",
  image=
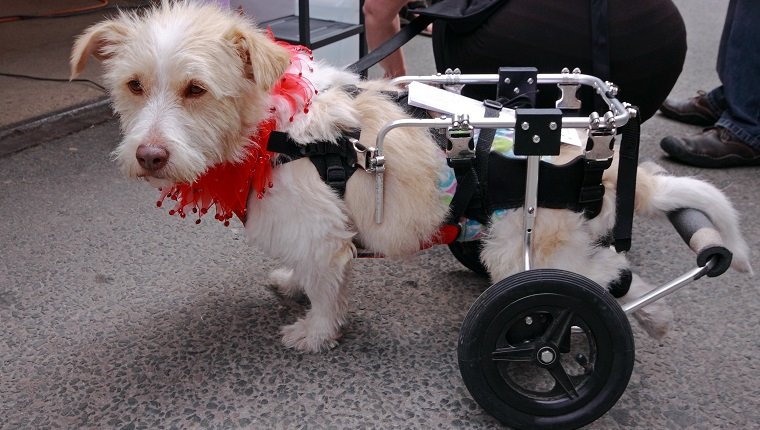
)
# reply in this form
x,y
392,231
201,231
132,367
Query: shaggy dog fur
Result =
x,y
194,82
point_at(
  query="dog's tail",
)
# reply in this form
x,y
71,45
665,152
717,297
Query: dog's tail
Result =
x,y
659,193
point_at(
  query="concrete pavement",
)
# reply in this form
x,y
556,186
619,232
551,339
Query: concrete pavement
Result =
x,y
115,315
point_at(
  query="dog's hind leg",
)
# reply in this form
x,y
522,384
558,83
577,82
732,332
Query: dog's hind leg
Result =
x,y
655,318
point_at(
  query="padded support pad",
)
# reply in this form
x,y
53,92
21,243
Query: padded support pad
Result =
x,y
699,233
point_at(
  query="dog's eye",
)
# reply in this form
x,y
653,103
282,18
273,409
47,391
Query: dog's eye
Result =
x,y
135,86
194,90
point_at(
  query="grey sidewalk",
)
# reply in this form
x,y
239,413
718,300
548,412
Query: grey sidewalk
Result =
x,y
115,315
34,111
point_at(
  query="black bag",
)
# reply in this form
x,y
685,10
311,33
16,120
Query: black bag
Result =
x,y
462,15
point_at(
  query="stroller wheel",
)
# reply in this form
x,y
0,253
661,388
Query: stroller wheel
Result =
x,y
468,253
546,349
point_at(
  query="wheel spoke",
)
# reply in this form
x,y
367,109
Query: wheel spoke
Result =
x,y
559,375
514,353
559,327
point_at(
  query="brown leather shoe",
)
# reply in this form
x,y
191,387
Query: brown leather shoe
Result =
x,y
695,110
714,147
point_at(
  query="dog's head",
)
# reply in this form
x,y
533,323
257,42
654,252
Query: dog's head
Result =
x,y
188,82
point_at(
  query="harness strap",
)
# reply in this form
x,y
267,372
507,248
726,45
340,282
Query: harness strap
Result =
x,y
483,148
470,198
467,187
561,184
592,190
626,185
335,162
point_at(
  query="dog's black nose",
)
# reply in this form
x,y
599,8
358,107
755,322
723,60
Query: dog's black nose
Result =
x,y
152,158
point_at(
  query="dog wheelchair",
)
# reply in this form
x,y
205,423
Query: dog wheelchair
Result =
x,y
547,348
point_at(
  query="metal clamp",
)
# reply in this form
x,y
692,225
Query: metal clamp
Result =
x,y
372,161
568,91
459,134
600,144
368,159
452,81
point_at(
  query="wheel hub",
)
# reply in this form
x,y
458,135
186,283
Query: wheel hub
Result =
x,y
546,355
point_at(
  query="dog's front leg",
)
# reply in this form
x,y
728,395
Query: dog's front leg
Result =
x,y
324,281
285,283
304,224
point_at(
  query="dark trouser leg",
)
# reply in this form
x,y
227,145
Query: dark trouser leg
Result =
x,y
739,71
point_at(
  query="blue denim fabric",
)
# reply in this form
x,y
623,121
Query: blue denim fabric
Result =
x,y
739,72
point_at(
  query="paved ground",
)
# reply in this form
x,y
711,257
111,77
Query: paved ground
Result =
x,y
115,315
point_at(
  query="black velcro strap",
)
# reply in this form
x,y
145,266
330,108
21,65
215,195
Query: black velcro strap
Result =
x,y
482,153
626,185
559,185
467,187
471,196
592,191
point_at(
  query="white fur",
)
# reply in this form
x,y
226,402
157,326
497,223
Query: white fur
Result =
x,y
301,221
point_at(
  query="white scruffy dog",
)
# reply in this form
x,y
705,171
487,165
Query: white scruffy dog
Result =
x,y
191,83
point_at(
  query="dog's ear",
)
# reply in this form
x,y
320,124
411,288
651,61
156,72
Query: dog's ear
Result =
x,y
100,40
264,60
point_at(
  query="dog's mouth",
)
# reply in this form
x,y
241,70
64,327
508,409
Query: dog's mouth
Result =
x,y
163,176
156,182
159,174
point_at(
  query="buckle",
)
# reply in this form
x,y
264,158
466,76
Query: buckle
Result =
x,y
335,176
492,104
459,135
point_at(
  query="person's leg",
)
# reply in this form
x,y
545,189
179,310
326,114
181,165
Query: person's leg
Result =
x,y
381,21
735,138
739,69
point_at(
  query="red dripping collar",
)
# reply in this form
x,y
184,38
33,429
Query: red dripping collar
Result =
x,y
226,186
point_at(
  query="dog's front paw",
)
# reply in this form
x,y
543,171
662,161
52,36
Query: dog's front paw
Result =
x,y
307,335
655,319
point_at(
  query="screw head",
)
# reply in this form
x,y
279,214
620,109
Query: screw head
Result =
x,y
525,125
552,125
507,80
536,138
530,80
528,320
546,356
516,90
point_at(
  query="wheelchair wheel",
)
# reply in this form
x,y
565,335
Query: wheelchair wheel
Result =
x,y
468,253
546,349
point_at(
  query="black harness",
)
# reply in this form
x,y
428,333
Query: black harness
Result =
x,y
335,161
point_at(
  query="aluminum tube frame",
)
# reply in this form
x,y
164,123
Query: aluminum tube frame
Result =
x,y
620,117
530,208
668,288
601,87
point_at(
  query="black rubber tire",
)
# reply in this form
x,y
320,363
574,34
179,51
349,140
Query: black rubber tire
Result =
x,y
566,311
468,253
